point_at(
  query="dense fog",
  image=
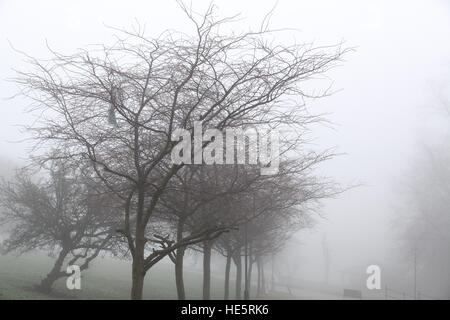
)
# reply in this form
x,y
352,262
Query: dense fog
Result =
x,y
379,196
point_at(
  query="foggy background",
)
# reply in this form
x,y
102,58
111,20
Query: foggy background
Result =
x,y
387,104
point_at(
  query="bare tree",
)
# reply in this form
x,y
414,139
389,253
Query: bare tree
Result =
x,y
116,107
271,212
198,199
63,214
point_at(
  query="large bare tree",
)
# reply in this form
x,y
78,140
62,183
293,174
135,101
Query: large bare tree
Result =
x,y
116,107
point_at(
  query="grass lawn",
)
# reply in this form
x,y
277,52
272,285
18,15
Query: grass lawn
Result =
x,y
106,279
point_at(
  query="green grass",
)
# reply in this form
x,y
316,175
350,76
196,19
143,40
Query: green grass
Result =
x,y
106,279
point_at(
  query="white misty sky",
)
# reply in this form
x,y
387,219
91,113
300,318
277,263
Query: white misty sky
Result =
x,y
388,87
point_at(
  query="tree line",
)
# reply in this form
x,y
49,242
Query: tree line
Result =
x,y
101,176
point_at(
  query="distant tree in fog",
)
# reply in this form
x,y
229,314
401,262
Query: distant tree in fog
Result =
x,y
423,218
64,214
271,211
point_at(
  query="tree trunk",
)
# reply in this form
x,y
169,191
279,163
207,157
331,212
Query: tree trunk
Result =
x,y
263,280
258,265
238,263
273,274
54,274
138,266
227,277
207,246
179,259
138,272
250,271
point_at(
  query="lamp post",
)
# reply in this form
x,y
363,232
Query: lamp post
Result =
x,y
415,272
